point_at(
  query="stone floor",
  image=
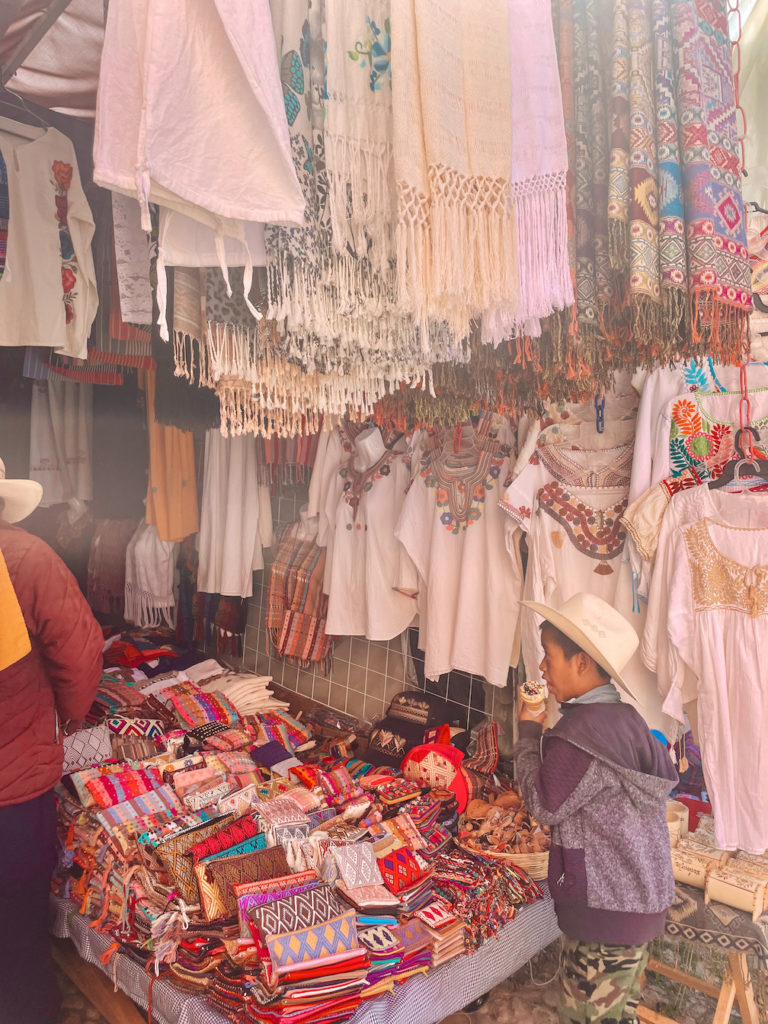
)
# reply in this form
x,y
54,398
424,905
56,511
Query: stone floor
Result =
x,y
75,1008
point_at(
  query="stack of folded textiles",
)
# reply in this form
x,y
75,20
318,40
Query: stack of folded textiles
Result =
x,y
385,951
445,929
315,967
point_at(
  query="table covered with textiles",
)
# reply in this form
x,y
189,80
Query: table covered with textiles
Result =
x,y
420,1000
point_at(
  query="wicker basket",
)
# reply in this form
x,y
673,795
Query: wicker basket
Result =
x,y
534,864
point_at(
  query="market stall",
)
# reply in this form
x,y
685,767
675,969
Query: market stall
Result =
x,y
328,368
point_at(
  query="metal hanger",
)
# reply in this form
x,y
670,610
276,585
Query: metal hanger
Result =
x,y
744,445
20,107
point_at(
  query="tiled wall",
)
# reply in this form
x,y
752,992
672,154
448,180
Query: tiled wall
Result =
x,y
365,675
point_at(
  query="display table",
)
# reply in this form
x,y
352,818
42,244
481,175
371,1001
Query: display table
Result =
x,y
716,925
420,1000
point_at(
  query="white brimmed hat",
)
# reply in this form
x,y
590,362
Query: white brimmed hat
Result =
x,y
599,630
20,497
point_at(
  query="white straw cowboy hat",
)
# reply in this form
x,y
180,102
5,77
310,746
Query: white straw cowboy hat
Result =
x,y
599,630
20,497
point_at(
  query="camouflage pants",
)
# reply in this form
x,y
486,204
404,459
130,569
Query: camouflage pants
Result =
x,y
601,983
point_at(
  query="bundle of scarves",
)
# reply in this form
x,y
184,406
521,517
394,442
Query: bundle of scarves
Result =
x,y
660,258
583,215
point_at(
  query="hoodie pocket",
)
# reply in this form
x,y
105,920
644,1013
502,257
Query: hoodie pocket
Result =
x,y
567,874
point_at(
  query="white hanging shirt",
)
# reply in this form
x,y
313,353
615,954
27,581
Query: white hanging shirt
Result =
x,y
48,285
61,440
235,519
570,503
470,576
190,113
716,626
372,580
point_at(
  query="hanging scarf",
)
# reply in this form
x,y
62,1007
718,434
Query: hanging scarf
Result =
x,y
593,277
149,570
618,188
539,162
456,247
172,489
644,287
358,129
718,271
672,254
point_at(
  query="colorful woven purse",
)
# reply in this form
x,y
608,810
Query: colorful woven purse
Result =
x,y
172,853
216,878
293,913
86,747
326,939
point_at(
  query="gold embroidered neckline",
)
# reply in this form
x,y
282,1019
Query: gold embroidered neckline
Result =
x,y
719,581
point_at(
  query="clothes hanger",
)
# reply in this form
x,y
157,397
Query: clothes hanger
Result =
x,y
744,445
755,207
29,120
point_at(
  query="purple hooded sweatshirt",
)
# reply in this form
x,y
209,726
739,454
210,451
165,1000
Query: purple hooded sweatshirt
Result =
x,y
601,780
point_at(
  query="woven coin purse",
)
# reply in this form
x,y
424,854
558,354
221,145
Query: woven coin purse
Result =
x,y
86,747
292,913
338,935
216,878
172,853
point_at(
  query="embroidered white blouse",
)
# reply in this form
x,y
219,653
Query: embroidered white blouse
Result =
x,y
716,625
470,576
48,284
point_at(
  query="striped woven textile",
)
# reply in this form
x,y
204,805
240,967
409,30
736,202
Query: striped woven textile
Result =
x,y
297,606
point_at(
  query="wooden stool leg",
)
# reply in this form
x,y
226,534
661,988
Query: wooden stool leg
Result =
x,y
726,998
745,996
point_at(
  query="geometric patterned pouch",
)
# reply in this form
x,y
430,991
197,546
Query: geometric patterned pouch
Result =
x,y
338,935
173,852
223,873
257,842
379,939
293,913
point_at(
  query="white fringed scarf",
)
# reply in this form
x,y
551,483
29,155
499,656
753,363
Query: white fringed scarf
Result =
x,y
539,162
451,84
358,129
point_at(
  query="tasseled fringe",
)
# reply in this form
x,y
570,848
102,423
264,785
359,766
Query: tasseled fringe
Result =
x,y
360,184
719,328
456,250
618,244
167,933
144,609
542,246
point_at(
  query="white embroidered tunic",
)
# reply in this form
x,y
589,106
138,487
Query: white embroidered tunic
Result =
x,y
371,578
235,519
716,627
570,502
470,576
48,283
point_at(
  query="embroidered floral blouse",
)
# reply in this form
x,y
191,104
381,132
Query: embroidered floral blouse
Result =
x,y
370,581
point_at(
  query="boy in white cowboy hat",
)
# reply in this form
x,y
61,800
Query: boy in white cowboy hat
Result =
x,y
55,668
600,780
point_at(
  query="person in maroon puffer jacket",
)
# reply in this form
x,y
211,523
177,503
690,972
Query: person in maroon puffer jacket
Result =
x,y
57,678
